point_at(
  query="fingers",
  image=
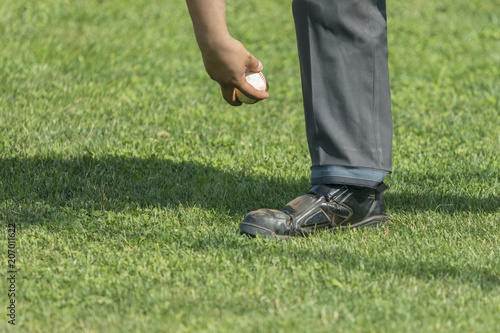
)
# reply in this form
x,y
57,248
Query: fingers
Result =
x,y
250,91
229,90
246,88
229,94
226,65
254,64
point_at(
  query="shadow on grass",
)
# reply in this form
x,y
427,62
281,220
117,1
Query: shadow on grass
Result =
x,y
128,183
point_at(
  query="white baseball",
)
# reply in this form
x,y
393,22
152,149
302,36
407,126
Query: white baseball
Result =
x,y
258,81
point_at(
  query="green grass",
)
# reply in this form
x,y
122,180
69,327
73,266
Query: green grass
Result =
x,y
122,230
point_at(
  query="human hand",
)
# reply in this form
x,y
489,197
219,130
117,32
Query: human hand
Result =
x,y
225,62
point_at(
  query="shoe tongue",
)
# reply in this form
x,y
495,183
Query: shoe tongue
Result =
x,y
300,204
327,191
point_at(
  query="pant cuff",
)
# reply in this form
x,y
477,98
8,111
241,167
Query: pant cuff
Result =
x,y
335,174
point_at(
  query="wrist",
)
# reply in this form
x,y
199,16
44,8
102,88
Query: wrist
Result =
x,y
208,42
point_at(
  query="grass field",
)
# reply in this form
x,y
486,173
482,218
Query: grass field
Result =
x,y
127,176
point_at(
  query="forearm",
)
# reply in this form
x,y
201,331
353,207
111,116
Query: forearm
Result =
x,y
209,22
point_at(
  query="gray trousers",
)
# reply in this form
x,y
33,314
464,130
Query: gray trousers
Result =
x,y
343,55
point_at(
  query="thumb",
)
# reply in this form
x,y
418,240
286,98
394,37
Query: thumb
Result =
x,y
254,64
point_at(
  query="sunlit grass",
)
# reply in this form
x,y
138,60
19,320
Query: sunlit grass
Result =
x,y
128,176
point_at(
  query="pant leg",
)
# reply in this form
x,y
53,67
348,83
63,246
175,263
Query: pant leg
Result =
x,y
343,55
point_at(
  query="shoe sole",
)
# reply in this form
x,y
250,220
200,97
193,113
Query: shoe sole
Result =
x,y
254,230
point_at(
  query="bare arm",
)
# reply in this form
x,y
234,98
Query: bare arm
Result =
x,y
225,58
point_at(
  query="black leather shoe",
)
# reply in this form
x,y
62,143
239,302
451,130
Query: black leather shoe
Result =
x,y
323,207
